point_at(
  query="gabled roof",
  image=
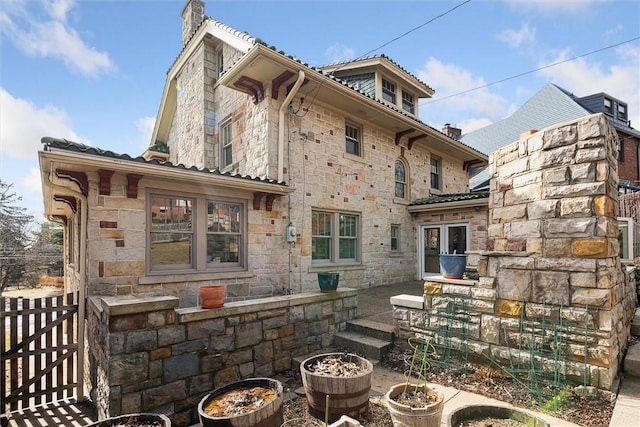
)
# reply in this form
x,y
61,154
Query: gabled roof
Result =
x,y
253,49
551,105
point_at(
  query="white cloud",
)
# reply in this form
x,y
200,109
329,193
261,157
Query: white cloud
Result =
x,y
145,127
53,37
339,53
24,124
523,37
583,77
452,80
550,6
473,124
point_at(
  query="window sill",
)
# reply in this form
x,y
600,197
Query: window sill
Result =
x,y
353,157
395,254
333,267
159,277
400,201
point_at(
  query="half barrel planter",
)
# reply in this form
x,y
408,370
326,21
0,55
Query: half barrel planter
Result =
x,y
133,420
471,413
267,415
346,395
429,415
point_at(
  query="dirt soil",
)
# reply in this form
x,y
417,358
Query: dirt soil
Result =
x,y
588,407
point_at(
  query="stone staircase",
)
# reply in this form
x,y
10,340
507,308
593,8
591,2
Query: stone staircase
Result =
x,y
631,364
367,338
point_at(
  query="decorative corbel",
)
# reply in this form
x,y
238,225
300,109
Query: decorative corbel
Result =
x,y
79,178
401,134
71,201
105,181
413,139
132,185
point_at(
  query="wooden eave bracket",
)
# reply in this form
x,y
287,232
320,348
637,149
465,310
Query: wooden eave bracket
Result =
x,y
69,200
105,181
401,134
62,218
467,164
413,139
278,82
132,185
252,87
79,178
270,198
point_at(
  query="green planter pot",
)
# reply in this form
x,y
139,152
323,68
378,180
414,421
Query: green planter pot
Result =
x,y
328,282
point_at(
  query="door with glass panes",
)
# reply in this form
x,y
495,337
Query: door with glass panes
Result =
x,y
436,239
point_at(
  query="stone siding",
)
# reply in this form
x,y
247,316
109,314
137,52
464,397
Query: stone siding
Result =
x,y
552,256
147,355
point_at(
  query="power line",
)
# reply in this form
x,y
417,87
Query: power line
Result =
x,y
530,72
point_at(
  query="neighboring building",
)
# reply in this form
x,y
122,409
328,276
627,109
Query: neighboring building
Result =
x,y
554,105
262,172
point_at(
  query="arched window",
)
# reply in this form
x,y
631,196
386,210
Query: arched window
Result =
x,y
401,179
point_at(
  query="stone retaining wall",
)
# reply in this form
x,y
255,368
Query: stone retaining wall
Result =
x,y
147,355
552,265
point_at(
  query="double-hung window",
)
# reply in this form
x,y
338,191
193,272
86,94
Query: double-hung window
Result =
x,y
395,237
335,237
353,139
196,233
389,91
436,173
225,143
407,102
171,235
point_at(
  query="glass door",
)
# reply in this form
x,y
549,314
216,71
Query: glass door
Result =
x,y
431,243
440,239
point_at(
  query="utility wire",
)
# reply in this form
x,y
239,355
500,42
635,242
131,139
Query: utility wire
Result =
x,y
380,47
529,72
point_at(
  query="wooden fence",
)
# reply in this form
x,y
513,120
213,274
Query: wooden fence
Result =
x,y
38,350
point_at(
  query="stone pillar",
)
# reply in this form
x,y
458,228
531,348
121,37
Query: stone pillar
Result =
x,y
553,248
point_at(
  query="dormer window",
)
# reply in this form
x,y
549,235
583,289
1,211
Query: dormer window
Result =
x,y
388,91
607,106
622,112
407,102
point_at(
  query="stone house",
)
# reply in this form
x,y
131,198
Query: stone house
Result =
x,y
264,171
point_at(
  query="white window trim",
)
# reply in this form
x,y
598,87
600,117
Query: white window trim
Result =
x,y
349,123
440,168
444,243
223,146
631,226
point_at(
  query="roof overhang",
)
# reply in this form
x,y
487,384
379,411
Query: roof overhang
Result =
x,y
263,67
63,174
450,206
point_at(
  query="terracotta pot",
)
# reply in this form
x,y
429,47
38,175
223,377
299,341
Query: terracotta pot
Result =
x,y
211,296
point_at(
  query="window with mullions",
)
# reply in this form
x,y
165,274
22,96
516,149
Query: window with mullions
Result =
x,y
621,148
224,232
225,143
401,179
407,102
201,234
436,173
353,139
388,91
395,237
171,234
335,237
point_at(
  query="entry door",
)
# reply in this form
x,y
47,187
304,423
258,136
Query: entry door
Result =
x,y
440,239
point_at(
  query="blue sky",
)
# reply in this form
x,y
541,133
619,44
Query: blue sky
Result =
x,y
93,71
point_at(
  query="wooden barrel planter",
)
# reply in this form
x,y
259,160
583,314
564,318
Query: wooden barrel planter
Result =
x,y
481,412
267,415
404,415
133,420
347,395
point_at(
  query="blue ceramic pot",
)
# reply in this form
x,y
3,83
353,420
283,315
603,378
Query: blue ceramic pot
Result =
x,y
452,266
328,282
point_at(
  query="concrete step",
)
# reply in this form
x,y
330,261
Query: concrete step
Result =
x,y
632,361
370,348
371,328
635,323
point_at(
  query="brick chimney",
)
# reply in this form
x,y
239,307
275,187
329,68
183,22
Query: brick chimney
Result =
x,y
451,132
192,17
